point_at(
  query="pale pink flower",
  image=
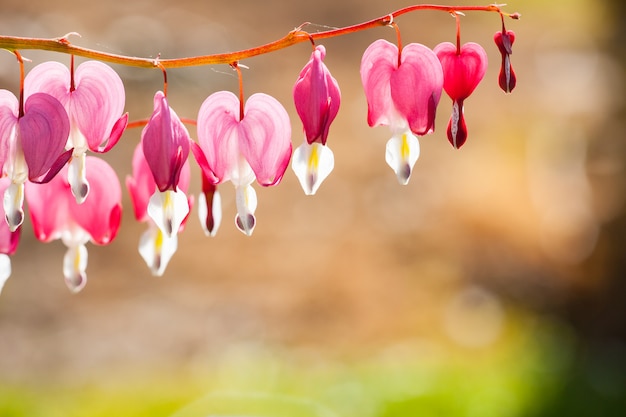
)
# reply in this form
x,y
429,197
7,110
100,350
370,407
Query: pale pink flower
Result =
x,y
241,145
94,100
402,91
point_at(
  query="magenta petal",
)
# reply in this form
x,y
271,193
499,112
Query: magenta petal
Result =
x,y
141,184
464,71
43,132
165,144
116,133
100,214
265,141
416,87
203,164
8,120
54,211
379,62
317,97
218,122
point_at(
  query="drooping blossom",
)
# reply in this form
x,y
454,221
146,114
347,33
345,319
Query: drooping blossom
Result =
x,y
463,69
165,143
8,240
504,40
317,98
402,91
32,146
55,214
155,247
94,99
241,145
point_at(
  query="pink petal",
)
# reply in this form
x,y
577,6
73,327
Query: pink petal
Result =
x,y
317,97
464,71
416,87
379,62
49,77
97,103
165,144
9,108
218,121
265,139
43,132
54,211
100,214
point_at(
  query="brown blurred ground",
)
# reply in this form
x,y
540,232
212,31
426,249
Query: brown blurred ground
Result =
x,y
511,219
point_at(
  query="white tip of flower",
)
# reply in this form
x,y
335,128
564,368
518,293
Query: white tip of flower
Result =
x,y
74,267
157,249
246,200
77,177
312,163
401,155
13,205
5,269
210,219
168,210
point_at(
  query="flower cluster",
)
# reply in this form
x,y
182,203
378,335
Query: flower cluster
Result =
x,y
62,113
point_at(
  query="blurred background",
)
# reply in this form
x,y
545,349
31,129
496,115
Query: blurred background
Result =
x,y
491,285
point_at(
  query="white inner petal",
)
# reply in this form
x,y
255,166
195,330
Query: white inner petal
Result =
x,y
312,163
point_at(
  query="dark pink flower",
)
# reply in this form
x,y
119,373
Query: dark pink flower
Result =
x,y
32,146
55,214
504,40
317,98
463,69
241,147
402,91
155,247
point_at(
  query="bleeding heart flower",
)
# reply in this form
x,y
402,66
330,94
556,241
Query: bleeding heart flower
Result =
x,y
94,99
31,146
402,91
165,143
55,214
241,144
155,247
504,40
463,69
317,97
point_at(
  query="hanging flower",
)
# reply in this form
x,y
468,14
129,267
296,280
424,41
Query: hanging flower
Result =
x,y
94,99
463,69
155,247
504,40
165,143
55,214
317,98
32,145
8,240
402,91
241,144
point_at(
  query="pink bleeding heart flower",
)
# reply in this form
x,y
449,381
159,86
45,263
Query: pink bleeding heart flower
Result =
x,y
241,144
154,246
165,143
32,145
463,69
55,214
94,99
402,91
8,240
317,97
504,40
